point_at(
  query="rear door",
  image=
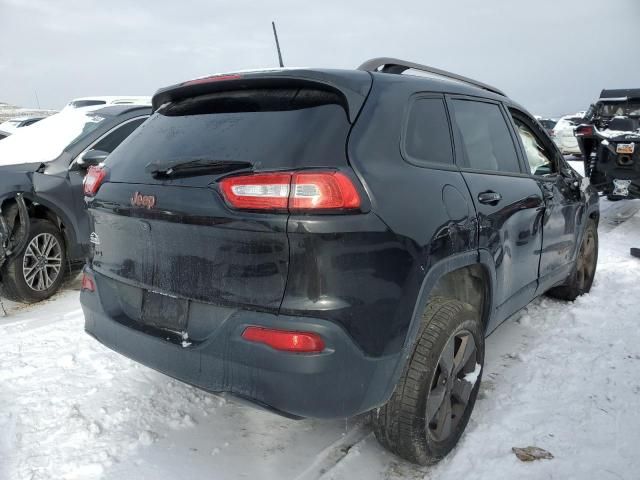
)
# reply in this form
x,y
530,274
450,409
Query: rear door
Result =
x,y
564,208
184,240
508,202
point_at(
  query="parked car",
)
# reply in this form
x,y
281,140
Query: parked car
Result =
x,y
325,243
548,124
106,101
564,134
11,126
611,131
44,228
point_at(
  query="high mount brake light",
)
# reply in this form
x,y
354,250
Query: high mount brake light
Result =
x,y
214,78
285,341
93,179
295,191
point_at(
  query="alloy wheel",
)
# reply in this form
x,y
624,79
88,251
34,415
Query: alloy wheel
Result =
x,y
450,391
42,262
586,264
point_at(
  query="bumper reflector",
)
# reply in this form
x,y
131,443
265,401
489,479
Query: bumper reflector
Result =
x,y
286,341
88,283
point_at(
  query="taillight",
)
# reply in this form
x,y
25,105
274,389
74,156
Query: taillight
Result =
x,y
584,131
295,191
286,341
88,283
93,179
265,191
325,190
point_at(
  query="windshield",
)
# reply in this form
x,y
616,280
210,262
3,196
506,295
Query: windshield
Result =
x,y
45,141
628,109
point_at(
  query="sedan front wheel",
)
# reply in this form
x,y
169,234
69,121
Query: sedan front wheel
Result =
x,y
38,271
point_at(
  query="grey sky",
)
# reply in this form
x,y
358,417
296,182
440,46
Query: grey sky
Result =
x,y
547,54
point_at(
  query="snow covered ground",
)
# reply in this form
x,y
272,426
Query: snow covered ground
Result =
x,y
561,376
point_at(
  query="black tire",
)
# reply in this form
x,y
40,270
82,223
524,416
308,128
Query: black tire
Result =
x,y
402,425
581,278
14,286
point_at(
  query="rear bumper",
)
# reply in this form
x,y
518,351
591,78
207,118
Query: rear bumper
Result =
x,y
339,382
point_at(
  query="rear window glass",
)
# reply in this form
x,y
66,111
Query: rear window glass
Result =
x,y
268,128
87,103
427,136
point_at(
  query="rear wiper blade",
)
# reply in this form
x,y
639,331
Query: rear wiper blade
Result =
x,y
193,166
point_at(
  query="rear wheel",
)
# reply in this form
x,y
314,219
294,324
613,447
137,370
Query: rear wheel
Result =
x,y
37,272
434,398
584,272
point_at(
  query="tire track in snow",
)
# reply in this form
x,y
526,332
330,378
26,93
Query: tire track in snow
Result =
x,y
330,457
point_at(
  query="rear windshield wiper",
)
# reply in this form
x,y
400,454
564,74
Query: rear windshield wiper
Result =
x,y
193,166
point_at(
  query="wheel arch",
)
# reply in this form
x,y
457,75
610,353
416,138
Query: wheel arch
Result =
x,y
41,209
442,276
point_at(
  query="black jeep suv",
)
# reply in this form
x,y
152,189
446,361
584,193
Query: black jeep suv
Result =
x,y
44,227
330,242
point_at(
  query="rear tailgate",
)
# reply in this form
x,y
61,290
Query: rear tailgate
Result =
x,y
175,234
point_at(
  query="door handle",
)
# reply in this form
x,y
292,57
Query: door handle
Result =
x,y
489,198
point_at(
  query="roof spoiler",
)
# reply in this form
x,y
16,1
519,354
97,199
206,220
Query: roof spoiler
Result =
x,y
353,89
621,94
397,66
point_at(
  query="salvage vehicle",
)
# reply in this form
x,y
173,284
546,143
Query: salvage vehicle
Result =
x,y
11,126
547,123
44,227
106,101
325,243
563,134
609,138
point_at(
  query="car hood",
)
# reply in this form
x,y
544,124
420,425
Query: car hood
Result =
x,y
19,168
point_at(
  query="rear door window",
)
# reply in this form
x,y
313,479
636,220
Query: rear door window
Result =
x,y
114,138
427,137
486,140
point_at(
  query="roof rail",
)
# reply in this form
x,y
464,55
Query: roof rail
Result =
x,y
394,65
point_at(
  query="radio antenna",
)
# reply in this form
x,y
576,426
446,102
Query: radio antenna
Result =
x,y
275,34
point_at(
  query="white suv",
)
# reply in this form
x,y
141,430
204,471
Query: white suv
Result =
x,y
107,101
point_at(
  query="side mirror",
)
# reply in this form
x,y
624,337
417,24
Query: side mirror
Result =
x,y
91,158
